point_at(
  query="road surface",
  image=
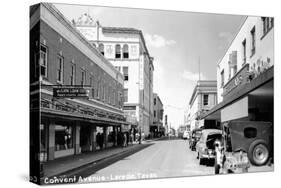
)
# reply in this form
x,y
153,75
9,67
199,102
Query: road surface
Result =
x,y
164,158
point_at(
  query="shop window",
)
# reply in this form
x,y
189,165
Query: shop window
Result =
x,y
60,69
125,51
63,137
205,99
125,73
43,61
43,142
101,48
253,37
117,51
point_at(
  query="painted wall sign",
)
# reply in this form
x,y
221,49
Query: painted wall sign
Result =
x,y
239,79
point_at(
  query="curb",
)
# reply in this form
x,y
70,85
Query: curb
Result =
x,y
94,161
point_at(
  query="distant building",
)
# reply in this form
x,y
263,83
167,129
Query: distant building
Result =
x,y
157,116
126,49
245,74
204,98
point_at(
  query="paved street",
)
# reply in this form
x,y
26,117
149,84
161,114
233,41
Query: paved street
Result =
x,y
164,158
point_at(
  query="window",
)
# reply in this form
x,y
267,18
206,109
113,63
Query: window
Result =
x,y
103,91
154,114
244,51
101,48
83,77
117,51
125,51
92,85
253,37
222,78
125,73
60,69
43,61
63,137
72,74
267,24
125,95
250,132
154,101
205,100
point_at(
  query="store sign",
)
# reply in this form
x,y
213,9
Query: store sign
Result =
x,y
239,79
68,92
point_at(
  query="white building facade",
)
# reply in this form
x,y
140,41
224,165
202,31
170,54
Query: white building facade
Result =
x,y
125,48
204,98
245,74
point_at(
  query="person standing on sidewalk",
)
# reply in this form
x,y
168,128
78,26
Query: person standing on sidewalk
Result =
x,y
124,140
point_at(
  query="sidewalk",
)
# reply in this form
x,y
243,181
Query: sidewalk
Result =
x,y
61,165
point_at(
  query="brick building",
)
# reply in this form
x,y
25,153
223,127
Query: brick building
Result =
x,y
61,57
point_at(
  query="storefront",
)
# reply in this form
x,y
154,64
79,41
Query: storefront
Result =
x,y
246,97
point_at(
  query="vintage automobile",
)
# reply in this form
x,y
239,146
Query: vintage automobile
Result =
x,y
195,135
243,143
205,147
185,135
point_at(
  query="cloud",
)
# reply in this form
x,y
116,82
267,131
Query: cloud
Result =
x,y
226,36
192,76
158,41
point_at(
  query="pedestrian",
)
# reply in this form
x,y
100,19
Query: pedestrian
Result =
x,y
124,140
101,140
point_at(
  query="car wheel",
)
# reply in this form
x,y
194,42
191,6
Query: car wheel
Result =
x,y
258,153
201,161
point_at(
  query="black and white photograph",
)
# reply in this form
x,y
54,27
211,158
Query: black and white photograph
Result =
x,y
120,94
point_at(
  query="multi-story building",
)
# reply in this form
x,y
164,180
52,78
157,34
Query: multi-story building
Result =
x,y
62,58
245,74
125,48
203,98
157,116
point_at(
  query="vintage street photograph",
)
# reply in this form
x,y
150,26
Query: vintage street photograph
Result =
x,y
121,94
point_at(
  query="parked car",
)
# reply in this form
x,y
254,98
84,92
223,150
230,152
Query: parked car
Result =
x,y
185,135
205,147
194,137
244,143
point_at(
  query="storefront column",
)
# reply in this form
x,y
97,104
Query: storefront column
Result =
x,y
51,141
94,138
105,136
115,130
77,138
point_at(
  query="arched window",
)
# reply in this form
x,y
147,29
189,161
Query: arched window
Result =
x,y
125,51
117,51
101,48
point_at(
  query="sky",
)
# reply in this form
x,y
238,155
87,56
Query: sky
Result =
x,y
176,40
